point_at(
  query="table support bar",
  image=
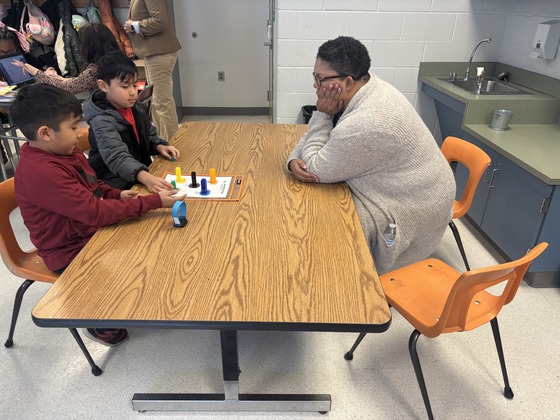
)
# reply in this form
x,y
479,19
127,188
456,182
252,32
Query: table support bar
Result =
x,y
231,399
246,402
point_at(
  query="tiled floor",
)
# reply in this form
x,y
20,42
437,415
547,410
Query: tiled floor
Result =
x,y
45,375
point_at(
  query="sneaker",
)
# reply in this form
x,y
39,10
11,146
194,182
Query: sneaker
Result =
x,y
107,337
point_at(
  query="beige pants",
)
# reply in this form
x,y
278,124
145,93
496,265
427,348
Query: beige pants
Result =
x,y
159,72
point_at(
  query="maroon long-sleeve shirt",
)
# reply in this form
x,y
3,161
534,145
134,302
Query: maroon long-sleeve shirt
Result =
x,y
63,204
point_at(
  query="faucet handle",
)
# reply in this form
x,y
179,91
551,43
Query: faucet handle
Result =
x,y
452,76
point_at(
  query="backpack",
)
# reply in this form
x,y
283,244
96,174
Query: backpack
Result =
x,y
92,13
20,37
39,27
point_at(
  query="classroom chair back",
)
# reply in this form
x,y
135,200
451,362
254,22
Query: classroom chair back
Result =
x,y
436,299
476,161
25,264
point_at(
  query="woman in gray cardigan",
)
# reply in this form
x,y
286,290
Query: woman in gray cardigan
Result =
x,y
366,133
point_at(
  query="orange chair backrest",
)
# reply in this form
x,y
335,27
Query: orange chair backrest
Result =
x,y
24,264
83,139
470,304
475,159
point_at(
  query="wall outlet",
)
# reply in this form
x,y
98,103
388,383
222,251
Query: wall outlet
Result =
x,y
221,76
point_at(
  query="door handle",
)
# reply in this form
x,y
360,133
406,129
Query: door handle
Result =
x,y
268,35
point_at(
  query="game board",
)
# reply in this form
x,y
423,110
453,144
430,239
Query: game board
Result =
x,y
226,188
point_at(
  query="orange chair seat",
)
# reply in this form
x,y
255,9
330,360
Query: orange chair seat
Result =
x,y
31,266
422,300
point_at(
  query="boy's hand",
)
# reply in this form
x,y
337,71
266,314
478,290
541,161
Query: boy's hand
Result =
x,y
299,170
153,183
167,151
126,194
167,199
328,99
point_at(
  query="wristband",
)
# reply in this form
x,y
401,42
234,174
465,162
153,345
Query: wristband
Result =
x,y
179,214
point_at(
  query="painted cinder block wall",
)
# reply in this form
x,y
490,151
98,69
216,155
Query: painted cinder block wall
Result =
x,y
399,34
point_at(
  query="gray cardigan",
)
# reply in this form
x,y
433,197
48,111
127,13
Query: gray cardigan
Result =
x,y
385,153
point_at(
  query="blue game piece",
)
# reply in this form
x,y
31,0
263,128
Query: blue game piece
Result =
x,y
179,214
204,187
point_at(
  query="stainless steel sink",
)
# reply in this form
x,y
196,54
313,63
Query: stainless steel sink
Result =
x,y
489,87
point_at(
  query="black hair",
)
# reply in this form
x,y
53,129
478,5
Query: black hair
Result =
x,y
116,65
41,104
7,35
97,40
347,56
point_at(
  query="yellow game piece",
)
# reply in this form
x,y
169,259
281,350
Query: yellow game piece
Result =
x,y
178,177
212,173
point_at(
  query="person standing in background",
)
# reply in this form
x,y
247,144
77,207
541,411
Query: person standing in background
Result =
x,y
153,38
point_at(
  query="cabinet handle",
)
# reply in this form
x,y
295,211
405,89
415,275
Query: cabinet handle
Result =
x,y
485,179
492,178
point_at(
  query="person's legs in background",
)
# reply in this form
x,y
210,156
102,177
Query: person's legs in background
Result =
x,y
159,72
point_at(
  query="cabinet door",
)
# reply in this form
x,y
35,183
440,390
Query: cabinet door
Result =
x,y
476,211
549,261
513,211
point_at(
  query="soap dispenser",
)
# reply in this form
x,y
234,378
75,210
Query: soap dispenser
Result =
x,y
546,40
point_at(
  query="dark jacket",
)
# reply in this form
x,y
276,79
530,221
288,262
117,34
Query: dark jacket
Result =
x,y
115,154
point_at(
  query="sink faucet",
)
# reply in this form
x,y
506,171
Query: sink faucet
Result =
x,y
468,72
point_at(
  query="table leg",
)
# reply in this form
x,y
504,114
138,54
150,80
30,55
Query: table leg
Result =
x,y
231,399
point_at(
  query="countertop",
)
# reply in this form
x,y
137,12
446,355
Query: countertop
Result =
x,y
531,141
534,147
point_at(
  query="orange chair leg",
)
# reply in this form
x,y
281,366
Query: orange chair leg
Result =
x,y
459,243
508,393
418,370
17,305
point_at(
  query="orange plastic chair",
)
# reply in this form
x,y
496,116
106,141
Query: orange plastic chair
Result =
x,y
25,264
437,299
476,161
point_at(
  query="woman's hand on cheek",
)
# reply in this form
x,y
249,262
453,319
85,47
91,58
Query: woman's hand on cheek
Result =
x,y
328,99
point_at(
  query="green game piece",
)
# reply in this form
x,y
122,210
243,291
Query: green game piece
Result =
x,y
174,184
173,158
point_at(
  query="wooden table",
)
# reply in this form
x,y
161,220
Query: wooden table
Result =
x,y
286,256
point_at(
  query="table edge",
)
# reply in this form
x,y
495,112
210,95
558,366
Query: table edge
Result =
x,y
214,325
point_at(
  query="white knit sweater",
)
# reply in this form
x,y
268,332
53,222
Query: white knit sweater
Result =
x,y
385,153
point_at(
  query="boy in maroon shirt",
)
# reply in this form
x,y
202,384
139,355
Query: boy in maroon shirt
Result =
x,y
62,202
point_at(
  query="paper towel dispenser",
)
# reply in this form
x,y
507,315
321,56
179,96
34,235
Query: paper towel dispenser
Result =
x,y
546,40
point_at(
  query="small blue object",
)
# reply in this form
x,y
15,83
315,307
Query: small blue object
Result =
x,y
204,187
179,213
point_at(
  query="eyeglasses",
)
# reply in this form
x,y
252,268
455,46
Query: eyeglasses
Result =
x,y
318,80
